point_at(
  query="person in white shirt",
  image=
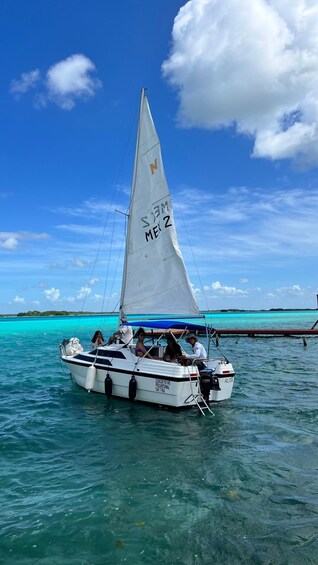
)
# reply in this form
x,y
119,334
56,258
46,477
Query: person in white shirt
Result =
x,y
198,350
197,347
124,334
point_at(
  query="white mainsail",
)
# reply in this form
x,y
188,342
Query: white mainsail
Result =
x,y
155,280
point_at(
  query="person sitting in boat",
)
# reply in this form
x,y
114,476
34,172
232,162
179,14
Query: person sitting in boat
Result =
x,y
173,350
124,334
198,354
98,339
141,350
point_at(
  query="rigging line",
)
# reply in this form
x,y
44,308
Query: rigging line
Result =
x,y
116,308
213,340
106,219
193,258
119,255
115,192
108,262
132,127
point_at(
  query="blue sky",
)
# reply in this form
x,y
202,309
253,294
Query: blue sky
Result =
x,y
233,89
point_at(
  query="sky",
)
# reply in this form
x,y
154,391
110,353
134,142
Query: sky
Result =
x,y
233,90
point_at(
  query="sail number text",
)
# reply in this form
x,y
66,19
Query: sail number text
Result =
x,y
158,219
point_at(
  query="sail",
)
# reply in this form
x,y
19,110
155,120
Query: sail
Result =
x,y
155,280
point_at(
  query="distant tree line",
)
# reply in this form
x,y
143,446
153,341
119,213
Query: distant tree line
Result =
x,y
46,313
54,313
67,313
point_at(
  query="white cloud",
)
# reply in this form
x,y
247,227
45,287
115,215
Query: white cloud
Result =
x,y
25,83
52,294
70,80
56,265
18,300
64,83
83,292
86,291
224,289
243,225
88,208
251,64
9,243
10,240
78,262
291,290
81,229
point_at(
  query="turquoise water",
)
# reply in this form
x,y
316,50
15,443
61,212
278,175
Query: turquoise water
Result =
x,y
86,480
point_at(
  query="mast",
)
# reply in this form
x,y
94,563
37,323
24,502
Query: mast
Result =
x,y
123,284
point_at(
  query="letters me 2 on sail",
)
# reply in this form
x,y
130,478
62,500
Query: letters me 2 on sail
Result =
x,y
157,220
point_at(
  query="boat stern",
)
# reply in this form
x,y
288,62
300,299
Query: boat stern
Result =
x,y
222,379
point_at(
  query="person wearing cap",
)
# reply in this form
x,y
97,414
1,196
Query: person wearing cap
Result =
x,y
124,333
198,350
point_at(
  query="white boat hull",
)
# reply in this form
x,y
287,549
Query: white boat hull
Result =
x,y
158,382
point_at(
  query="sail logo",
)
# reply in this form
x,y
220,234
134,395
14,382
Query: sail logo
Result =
x,y
154,166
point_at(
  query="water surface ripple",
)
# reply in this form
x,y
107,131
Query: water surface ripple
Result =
x,y
86,480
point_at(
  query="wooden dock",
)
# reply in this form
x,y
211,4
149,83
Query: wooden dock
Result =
x,y
246,332
270,332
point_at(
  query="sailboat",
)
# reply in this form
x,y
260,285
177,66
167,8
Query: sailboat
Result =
x,y
155,286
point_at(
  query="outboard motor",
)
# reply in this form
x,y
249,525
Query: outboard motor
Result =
x,y
206,383
132,388
108,386
215,385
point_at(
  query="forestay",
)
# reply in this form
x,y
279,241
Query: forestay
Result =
x,y
155,280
